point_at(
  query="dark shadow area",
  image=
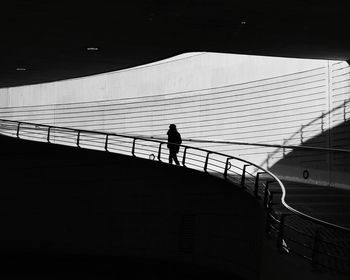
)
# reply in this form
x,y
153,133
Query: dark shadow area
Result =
x,y
317,181
319,165
86,209
59,266
51,39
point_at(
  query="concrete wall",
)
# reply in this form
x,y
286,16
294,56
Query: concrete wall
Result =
x,y
212,96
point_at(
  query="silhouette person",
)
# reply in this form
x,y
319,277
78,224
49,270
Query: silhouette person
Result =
x,y
174,138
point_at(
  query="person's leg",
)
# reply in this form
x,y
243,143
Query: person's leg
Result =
x,y
170,158
176,160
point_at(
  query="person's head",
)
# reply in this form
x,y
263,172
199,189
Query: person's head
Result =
x,y
172,126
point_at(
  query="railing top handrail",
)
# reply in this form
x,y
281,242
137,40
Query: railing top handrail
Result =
x,y
145,138
300,147
285,204
265,145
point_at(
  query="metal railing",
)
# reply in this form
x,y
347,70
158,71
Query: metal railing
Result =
x,y
324,245
292,147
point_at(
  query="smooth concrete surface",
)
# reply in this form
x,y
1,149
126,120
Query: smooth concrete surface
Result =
x,y
212,96
190,71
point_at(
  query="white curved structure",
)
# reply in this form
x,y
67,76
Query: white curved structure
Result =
x,y
212,96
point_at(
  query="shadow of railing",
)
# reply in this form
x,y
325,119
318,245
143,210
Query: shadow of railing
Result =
x,y
321,140
323,166
310,234
317,153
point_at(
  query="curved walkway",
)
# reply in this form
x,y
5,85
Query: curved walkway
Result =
x,y
326,248
322,242
325,203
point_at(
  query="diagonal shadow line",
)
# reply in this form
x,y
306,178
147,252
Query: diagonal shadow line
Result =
x,y
300,131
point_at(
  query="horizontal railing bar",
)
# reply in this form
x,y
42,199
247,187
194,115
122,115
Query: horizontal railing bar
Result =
x,y
216,165
262,145
112,142
192,164
116,147
232,171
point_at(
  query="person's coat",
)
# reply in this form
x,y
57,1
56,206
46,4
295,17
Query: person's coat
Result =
x,y
174,137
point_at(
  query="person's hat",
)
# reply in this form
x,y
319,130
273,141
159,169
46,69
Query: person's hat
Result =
x,y
172,126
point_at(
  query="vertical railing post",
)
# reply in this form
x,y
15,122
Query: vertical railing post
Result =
x,y
243,175
226,167
266,193
78,139
270,200
268,218
256,186
316,248
206,162
17,134
48,134
160,151
106,143
301,134
184,157
280,235
133,147
284,148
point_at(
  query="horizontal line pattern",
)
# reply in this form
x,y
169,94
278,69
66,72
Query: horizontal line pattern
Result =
x,y
271,108
340,118
290,109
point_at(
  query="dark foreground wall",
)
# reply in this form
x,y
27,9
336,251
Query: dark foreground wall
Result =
x,y
57,199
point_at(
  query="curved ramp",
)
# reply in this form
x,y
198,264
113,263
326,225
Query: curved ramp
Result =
x,y
90,177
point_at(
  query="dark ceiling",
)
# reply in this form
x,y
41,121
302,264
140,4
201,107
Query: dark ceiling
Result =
x,y
50,39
